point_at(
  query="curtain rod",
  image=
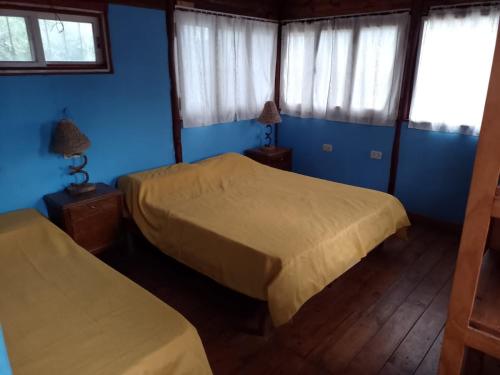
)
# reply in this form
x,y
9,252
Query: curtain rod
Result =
x,y
216,13
313,19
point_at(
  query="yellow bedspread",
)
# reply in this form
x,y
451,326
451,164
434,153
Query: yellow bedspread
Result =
x,y
65,312
270,234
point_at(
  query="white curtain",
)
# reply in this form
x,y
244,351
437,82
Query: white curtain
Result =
x,y
225,67
344,69
454,69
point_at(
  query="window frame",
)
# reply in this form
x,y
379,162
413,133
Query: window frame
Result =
x,y
32,15
177,66
361,114
428,125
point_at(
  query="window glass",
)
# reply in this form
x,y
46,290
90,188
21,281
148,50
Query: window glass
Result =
x,y
295,68
39,40
374,68
67,41
14,39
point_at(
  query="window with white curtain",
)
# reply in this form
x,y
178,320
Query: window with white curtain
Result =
x,y
344,69
225,66
454,69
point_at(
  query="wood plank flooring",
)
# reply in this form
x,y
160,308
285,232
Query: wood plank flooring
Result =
x,y
384,316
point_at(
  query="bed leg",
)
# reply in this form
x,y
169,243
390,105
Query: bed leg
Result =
x,y
265,323
131,249
133,234
260,323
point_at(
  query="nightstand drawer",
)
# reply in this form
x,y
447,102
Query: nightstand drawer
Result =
x,y
94,235
91,210
284,164
273,159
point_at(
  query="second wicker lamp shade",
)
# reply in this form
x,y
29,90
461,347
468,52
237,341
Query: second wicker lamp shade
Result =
x,y
269,116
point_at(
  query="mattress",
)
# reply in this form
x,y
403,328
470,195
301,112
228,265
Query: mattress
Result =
x,y
273,235
63,311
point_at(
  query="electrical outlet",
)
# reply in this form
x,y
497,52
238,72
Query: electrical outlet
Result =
x,y
327,147
376,155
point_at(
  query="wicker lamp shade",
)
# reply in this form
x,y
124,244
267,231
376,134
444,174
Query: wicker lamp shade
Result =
x,y
68,139
270,114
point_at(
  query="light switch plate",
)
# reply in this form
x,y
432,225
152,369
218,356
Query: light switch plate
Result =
x,y
374,154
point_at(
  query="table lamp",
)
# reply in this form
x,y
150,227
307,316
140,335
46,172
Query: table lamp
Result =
x,y
269,117
70,142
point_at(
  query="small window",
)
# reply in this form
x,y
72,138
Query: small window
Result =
x,y
41,42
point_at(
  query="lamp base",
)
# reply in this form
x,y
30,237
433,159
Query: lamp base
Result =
x,y
77,189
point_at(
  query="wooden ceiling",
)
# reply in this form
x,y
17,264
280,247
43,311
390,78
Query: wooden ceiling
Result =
x,y
294,9
321,8
271,9
255,8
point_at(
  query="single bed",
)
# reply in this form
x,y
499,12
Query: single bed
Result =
x,y
63,311
273,235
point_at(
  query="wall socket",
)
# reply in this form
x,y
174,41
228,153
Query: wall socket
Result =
x,y
374,154
327,147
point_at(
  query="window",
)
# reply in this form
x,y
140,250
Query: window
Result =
x,y
225,67
344,69
33,41
454,67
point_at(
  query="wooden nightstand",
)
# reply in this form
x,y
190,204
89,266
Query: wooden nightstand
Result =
x,y
93,220
277,157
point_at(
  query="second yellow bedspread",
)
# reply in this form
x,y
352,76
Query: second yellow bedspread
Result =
x,y
64,312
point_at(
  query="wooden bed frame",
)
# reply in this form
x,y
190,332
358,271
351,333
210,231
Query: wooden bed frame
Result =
x,y
474,310
259,321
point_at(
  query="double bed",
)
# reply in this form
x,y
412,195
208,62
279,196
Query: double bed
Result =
x,y
272,235
63,311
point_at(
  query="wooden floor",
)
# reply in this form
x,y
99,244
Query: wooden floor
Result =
x,y
384,316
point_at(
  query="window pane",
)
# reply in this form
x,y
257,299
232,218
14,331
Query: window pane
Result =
x,y
454,68
14,40
295,68
332,60
67,41
374,68
197,72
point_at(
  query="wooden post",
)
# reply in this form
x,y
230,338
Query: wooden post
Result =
x,y
417,10
277,81
474,235
174,99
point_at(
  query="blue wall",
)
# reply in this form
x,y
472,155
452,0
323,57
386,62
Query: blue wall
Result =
x,y
203,142
434,168
126,115
434,173
350,161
